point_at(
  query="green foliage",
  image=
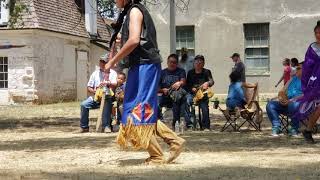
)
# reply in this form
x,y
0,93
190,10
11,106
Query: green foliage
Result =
x,y
16,9
107,8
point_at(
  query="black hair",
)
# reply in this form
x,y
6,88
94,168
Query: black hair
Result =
x,y
123,74
294,62
287,61
117,26
317,26
199,57
175,56
235,76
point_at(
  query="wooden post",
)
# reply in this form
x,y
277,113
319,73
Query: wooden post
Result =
x,y
99,121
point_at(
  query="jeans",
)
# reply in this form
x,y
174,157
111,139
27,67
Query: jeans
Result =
x,y
232,104
204,106
177,107
88,104
274,109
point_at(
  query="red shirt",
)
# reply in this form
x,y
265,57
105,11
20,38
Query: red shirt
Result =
x,y
286,74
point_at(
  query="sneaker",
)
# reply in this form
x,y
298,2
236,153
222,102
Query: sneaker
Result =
x,y
308,136
293,133
275,132
206,130
107,130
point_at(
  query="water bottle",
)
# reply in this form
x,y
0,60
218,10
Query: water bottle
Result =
x,y
176,127
182,127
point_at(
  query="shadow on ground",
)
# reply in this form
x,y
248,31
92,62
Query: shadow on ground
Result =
x,y
310,171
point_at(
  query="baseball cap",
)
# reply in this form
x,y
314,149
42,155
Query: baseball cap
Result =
x,y
105,57
199,57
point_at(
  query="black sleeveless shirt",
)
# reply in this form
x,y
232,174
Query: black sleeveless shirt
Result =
x,y
147,51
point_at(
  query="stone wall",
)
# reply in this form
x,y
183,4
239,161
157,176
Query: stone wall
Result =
x,y
45,69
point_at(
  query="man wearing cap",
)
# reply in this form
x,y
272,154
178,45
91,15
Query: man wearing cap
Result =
x,y
199,78
97,79
239,66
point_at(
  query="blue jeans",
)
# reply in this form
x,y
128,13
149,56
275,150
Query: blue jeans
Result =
x,y
274,109
88,104
204,106
232,104
177,107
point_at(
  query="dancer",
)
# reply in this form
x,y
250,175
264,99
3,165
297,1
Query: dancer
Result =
x,y
139,124
309,103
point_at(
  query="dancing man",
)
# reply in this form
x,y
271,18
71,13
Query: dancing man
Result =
x,y
139,124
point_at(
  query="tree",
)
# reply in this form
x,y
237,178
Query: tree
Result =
x,y
16,9
107,8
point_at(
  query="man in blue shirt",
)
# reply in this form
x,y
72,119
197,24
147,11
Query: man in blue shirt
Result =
x,y
172,78
286,105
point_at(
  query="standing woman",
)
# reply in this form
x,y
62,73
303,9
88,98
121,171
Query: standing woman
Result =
x,y
309,104
139,124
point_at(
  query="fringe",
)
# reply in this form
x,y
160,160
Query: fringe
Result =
x,y
138,136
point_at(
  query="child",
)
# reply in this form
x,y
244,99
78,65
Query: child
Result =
x,y
119,95
286,72
236,95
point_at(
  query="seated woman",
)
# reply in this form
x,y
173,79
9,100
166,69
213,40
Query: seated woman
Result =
x,y
236,94
286,104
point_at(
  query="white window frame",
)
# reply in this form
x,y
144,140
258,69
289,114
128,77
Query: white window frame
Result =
x,y
257,70
191,50
4,13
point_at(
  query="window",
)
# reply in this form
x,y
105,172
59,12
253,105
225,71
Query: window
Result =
x,y
185,39
4,12
257,48
3,72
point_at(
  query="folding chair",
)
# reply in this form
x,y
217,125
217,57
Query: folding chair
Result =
x,y
285,122
197,123
231,119
252,114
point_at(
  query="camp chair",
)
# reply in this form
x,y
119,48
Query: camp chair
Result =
x,y
252,114
197,122
197,98
285,122
231,119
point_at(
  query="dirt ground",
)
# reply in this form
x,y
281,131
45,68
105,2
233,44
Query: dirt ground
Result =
x,y
39,142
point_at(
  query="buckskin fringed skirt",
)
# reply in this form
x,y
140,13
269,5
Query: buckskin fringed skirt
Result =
x,y
140,106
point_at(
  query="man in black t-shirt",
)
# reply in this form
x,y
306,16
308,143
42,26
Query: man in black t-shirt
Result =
x,y
172,78
197,78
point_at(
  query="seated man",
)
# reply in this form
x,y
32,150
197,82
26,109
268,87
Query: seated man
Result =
x,y
97,80
286,104
173,79
199,78
236,94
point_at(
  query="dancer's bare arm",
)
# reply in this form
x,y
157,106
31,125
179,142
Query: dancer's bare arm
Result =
x,y
135,28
